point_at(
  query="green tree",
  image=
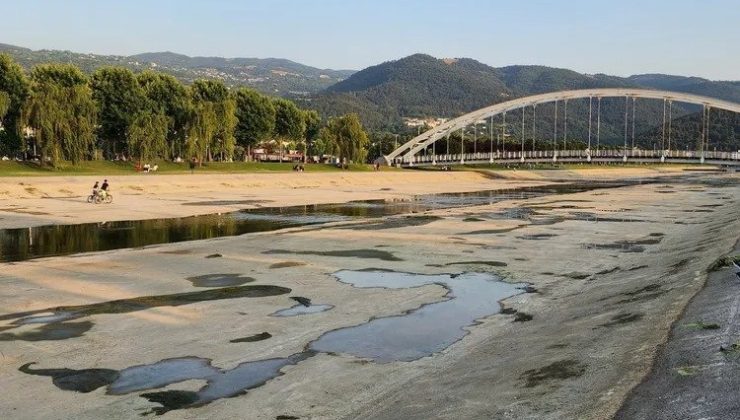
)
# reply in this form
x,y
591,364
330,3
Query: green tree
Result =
x,y
346,137
120,98
289,122
224,140
15,87
61,111
201,130
168,96
212,121
147,136
256,117
4,105
313,126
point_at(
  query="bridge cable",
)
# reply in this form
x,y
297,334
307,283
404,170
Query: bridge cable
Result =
x,y
598,125
590,101
634,100
565,125
662,139
490,147
626,106
555,129
709,120
703,124
523,109
670,122
503,131
534,127
475,138
462,145
434,150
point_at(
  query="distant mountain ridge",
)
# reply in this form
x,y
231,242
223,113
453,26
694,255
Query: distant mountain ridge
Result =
x,y
275,76
424,86
415,86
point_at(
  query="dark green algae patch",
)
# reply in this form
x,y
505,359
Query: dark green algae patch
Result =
x,y
49,332
349,253
559,370
58,315
220,280
252,338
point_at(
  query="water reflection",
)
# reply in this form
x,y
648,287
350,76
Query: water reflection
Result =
x,y
43,241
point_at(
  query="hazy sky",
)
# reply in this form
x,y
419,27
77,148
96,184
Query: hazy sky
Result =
x,y
619,37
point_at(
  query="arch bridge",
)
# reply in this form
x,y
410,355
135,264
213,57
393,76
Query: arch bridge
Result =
x,y
408,154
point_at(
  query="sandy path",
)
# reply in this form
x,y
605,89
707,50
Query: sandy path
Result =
x,y
61,200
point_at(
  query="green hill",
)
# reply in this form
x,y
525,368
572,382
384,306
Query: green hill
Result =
x,y
424,86
274,76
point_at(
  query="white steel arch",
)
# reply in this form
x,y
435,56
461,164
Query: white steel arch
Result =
x,y
413,146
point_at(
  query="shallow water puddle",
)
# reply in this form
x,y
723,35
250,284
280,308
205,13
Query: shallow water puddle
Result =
x,y
219,383
417,333
423,331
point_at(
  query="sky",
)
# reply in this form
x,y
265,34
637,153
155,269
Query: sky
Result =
x,y
617,37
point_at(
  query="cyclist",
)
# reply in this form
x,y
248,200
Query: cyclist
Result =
x,y
104,188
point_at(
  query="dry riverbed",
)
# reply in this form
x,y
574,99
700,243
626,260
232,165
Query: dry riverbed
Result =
x,y
595,280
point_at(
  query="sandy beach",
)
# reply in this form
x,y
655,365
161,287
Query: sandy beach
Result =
x,y
36,201
609,272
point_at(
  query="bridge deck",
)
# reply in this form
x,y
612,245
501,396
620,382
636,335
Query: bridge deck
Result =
x,y
577,156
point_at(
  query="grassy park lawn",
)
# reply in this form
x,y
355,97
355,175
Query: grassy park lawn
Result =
x,y
11,168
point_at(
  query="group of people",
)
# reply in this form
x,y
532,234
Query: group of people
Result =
x,y
101,190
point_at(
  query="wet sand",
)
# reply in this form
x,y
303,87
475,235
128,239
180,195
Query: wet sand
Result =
x,y
610,271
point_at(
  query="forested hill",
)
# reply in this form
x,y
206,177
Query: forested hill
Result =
x,y
275,76
424,86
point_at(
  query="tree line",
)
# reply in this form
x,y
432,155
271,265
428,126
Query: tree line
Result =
x,y
65,115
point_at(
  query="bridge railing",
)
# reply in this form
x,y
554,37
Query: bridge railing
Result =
x,y
556,155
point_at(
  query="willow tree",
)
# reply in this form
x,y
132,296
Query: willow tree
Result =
x,y
4,105
147,136
61,112
224,140
168,96
14,84
201,129
212,121
346,137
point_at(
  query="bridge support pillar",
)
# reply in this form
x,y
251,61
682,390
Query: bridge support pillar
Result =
x,y
522,159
